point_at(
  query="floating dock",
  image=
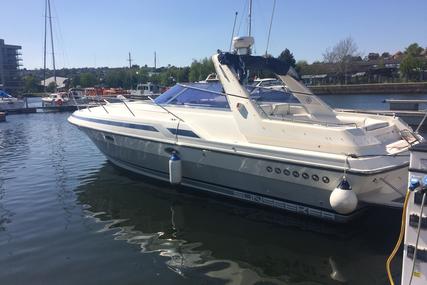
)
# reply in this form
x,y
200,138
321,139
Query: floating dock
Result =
x,y
43,109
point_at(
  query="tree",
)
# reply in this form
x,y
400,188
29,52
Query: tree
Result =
x,y
288,57
199,70
51,87
31,84
414,50
300,65
343,49
410,67
88,79
341,54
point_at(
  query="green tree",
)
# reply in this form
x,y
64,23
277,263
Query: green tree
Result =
x,y
75,81
288,57
199,70
88,79
413,50
51,87
31,84
300,65
410,67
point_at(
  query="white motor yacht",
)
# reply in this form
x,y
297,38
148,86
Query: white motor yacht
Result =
x,y
56,99
272,83
284,149
146,89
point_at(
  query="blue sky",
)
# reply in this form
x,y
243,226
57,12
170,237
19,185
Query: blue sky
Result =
x,y
102,32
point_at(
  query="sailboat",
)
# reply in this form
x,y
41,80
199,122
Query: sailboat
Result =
x,y
55,98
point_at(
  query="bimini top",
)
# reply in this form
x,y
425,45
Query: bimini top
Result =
x,y
242,63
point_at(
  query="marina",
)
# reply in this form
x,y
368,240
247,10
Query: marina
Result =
x,y
184,236
278,158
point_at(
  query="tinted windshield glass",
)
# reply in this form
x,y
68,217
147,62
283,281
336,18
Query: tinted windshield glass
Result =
x,y
208,95
201,98
186,95
270,95
169,94
271,83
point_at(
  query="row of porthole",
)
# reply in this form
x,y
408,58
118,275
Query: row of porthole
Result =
x,y
296,174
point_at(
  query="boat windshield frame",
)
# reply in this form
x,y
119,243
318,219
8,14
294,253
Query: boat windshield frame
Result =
x,y
252,90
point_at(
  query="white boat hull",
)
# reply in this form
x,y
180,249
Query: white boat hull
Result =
x,y
298,188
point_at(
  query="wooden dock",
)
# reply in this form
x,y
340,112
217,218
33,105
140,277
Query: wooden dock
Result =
x,y
45,109
411,117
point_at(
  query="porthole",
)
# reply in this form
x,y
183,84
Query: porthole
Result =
x,y
269,169
315,177
277,170
305,175
295,173
325,179
286,172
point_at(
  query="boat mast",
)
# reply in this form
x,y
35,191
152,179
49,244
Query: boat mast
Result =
x,y
269,29
250,18
44,47
51,41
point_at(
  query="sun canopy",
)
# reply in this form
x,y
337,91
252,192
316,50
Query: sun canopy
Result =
x,y
4,94
240,63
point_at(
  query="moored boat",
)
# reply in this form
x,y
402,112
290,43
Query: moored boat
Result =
x,y
281,148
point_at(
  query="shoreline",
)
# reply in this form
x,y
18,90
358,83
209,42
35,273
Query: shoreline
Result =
x,y
376,88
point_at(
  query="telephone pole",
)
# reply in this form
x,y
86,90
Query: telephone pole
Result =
x,y
130,60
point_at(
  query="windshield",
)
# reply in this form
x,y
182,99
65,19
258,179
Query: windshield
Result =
x,y
212,95
192,95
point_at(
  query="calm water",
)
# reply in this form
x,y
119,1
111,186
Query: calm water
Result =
x,y
67,216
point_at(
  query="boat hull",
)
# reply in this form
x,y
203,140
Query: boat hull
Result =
x,y
296,188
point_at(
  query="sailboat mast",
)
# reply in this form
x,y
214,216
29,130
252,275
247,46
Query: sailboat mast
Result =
x,y
44,46
51,40
250,18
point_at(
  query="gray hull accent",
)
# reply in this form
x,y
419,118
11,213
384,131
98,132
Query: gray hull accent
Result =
x,y
222,174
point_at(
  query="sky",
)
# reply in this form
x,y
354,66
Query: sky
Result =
x,y
96,33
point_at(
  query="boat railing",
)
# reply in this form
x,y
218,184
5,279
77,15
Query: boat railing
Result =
x,y
261,110
123,101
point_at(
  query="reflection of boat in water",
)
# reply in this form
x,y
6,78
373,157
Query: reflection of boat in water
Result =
x,y
288,150
235,243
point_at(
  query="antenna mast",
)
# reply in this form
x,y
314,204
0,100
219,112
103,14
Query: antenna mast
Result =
x,y
232,33
155,61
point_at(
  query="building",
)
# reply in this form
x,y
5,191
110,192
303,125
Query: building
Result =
x,y
61,82
10,61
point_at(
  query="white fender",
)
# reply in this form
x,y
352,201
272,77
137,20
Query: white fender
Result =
x,y
343,200
175,169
